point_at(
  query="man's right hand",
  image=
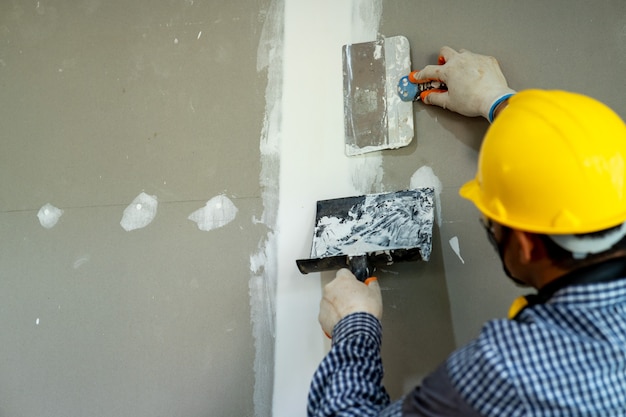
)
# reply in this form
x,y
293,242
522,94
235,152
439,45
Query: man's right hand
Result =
x,y
346,295
475,82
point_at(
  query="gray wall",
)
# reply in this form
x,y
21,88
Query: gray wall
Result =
x,y
102,100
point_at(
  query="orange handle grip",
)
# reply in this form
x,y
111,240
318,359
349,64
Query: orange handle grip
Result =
x,y
413,74
370,280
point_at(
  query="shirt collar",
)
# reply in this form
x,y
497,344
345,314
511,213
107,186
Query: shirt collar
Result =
x,y
594,284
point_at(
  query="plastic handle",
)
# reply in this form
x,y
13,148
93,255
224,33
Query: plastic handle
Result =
x,y
360,267
411,88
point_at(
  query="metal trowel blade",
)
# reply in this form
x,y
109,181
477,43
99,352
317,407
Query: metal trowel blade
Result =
x,y
381,229
374,116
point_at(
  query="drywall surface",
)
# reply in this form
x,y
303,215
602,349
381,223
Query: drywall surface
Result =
x,y
432,307
159,168
130,204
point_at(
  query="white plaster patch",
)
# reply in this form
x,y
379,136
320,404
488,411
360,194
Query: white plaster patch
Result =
x,y
49,215
258,261
454,244
218,212
140,212
425,177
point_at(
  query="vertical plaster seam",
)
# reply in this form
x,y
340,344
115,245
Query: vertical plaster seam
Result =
x,y
262,284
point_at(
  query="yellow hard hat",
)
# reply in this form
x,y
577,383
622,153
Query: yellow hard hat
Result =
x,y
552,162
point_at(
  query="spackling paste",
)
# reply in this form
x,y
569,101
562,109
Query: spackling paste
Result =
x,y
454,244
140,212
313,166
425,177
376,222
217,212
49,215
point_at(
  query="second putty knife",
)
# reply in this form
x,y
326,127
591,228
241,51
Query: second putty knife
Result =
x,y
375,117
368,231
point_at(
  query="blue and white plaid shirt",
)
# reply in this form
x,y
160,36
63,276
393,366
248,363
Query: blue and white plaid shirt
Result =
x,y
566,357
348,382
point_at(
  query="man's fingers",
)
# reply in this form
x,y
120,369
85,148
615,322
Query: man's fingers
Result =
x,y
437,99
446,52
432,72
344,273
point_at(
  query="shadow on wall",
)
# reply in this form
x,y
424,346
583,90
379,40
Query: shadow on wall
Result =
x,y
468,130
418,333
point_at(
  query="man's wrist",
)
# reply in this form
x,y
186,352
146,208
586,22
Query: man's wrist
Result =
x,y
498,105
357,323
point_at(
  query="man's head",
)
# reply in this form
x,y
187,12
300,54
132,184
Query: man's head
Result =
x,y
553,165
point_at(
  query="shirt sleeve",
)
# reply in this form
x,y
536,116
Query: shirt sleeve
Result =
x,y
437,397
348,382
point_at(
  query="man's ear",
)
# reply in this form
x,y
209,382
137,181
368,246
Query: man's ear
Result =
x,y
531,248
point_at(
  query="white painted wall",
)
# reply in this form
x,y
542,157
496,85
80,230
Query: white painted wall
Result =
x,y
313,167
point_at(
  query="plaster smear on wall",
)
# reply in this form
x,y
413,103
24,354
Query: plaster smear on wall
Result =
x,y
79,262
367,172
454,244
218,212
140,212
263,263
425,177
49,215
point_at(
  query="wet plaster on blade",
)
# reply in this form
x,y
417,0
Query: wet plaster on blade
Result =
x,y
377,222
313,166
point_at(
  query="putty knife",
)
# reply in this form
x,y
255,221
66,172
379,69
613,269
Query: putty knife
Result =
x,y
368,231
411,88
375,117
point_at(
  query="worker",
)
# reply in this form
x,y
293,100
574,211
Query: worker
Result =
x,y
551,190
